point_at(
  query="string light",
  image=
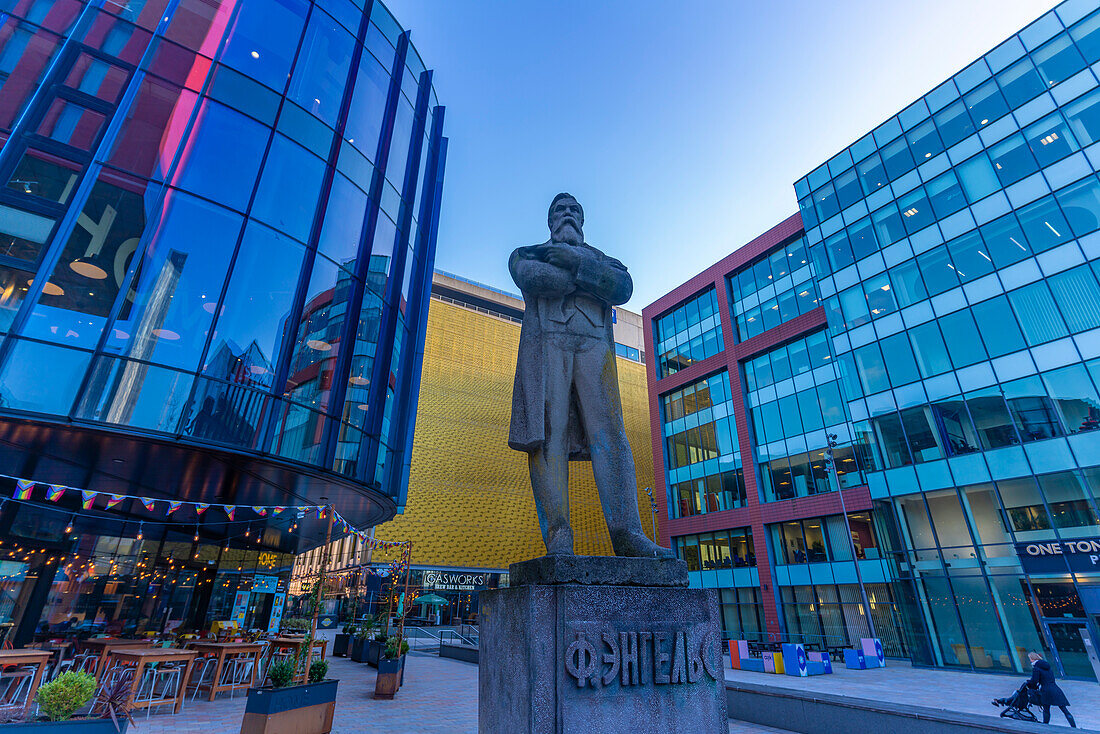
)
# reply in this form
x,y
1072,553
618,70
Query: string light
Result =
x,y
141,527
69,527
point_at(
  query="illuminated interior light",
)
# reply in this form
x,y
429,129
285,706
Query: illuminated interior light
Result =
x,y
166,334
255,54
985,121
87,268
1049,139
984,255
910,212
1052,229
320,346
1017,244
927,155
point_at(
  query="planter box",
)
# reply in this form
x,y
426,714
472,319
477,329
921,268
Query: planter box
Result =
x,y
391,674
357,650
305,709
77,726
374,652
340,645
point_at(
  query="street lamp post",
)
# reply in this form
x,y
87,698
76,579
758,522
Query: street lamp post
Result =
x,y
848,528
653,510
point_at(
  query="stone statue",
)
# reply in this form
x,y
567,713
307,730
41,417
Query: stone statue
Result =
x,y
566,404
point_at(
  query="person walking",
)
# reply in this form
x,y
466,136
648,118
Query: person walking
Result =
x,y
1042,678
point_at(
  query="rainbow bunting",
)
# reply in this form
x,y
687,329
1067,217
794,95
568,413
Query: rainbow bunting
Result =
x,y
88,499
55,492
201,507
277,510
259,510
229,510
150,504
320,513
114,500
23,489
173,506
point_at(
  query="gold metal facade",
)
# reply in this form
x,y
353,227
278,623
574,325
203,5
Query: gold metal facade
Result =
x,y
469,502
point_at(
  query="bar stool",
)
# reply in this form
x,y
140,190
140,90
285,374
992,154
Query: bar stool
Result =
x,y
159,685
21,679
203,668
237,670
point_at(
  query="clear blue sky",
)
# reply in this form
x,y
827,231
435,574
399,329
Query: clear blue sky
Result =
x,y
680,126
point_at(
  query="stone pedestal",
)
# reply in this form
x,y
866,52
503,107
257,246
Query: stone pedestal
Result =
x,y
563,652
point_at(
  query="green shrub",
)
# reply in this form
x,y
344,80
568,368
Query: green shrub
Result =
x,y
281,673
318,670
391,648
59,699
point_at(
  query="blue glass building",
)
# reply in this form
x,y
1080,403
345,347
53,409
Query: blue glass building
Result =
x,y
937,308
217,234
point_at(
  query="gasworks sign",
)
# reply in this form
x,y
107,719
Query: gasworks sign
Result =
x,y
1056,556
454,581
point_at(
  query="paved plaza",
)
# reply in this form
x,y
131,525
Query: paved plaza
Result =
x,y
961,692
439,695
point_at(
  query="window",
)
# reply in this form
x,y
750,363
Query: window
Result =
x,y
263,40
872,174
1044,224
953,123
1005,241
991,418
900,365
888,224
1058,60
923,443
1036,312
1020,82
1074,397
223,156
945,195
1012,159
1081,205
985,104
287,195
937,271
1078,296
978,177
961,336
880,299
907,284
1031,409
872,370
997,325
1050,139
897,159
916,211
929,349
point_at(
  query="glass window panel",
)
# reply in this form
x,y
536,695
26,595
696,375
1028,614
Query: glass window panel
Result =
x,y
318,341
954,422
1020,82
287,194
872,370
44,175
991,418
13,288
135,394
1005,240
948,519
321,70
825,202
770,312
901,365
1036,312
945,195
48,388
789,414
872,175
1078,295
399,145
1050,139
888,224
907,284
830,404
985,104
1068,500
72,124
929,349
1081,206
184,266
25,55
264,38
897,158
1084,117
938,271
1012,159
847,189
924,141
85,282
96,77
1086,35
1074,397
839,250
778,263
1032,410
915,210
854,303
961,335
781,366
978,177
23,234
1024,504
880,299
815,541
888,431
1058,60
969,256
998,327
862,238
811,413
923,441
954,123
347,207
150,135
222,156
248,333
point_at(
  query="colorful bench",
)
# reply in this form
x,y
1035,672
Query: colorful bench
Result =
x,y
791,660
867,656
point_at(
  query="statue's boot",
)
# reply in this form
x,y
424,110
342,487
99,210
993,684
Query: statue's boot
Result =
x,y
635,544
559,541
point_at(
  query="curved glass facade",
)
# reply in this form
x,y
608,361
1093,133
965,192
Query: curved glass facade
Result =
x,y
217,226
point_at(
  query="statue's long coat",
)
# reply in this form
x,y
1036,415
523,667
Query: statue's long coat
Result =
x,y
546,289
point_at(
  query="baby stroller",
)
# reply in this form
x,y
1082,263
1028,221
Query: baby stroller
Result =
x,y
1018,704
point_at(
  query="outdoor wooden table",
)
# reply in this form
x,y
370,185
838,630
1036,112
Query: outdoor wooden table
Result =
x,y
40,658
105,645
225,650
142,656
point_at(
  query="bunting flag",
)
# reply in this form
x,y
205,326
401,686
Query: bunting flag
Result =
x,y
114,500
55,492
173,506
23,489
88,499
278,510
259,510
320,513
150,504
201,507
229,510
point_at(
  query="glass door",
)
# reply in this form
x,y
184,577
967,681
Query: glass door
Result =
x,y
1069,647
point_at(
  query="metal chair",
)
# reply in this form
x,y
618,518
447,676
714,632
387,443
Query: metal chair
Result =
x,y
21,679
202,669
238,669
159,685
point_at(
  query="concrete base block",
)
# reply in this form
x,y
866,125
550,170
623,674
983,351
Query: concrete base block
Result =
x,y
572,658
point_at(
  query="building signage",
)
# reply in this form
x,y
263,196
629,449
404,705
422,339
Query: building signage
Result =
x,y
1080,555
448,581
642,658
240,607
265,584
276,612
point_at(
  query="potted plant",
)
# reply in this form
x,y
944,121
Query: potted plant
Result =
x,y
375,648
282,707
61,698
359,644
391,669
